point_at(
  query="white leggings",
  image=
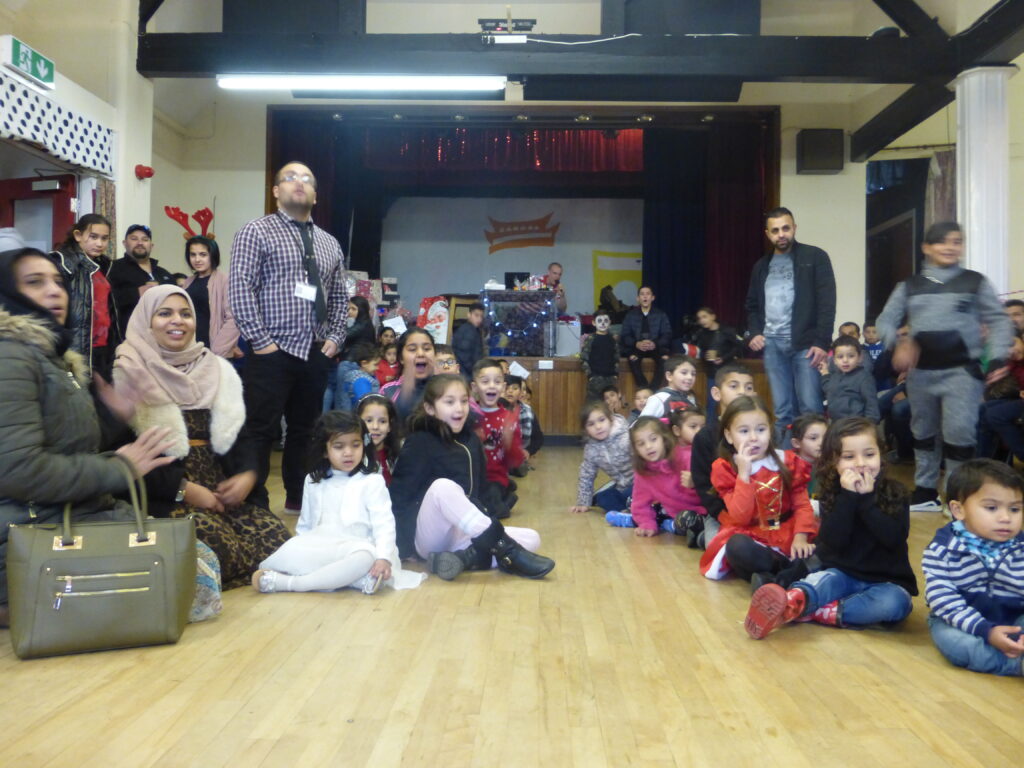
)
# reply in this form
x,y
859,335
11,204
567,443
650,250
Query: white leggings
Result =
x,y
447,520
341,573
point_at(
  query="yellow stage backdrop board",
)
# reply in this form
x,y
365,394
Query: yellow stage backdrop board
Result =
x,y
622,271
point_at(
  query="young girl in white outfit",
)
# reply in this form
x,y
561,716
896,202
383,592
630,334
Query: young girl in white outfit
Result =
x,y
345,536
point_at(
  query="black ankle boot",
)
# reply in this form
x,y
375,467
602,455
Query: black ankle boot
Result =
x,y
511,556
448,565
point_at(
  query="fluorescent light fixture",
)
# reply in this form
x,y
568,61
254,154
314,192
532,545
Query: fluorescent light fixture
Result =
x,y
374,83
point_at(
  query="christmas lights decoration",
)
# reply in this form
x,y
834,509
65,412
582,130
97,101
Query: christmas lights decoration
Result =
x,y
523,323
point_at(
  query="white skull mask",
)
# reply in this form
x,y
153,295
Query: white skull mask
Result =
x,y
602,323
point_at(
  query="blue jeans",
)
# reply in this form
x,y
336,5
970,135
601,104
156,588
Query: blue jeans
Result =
x,y
998,418
860,602
796,387
611,499
896,415
971,651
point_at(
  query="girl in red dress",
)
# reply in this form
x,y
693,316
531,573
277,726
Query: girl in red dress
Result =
x,y
768,526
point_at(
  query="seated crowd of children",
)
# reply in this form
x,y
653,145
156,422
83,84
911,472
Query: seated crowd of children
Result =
x,y
818,526
840,559
377,493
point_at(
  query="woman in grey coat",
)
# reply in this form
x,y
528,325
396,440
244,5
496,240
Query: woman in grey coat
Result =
x,y
50,434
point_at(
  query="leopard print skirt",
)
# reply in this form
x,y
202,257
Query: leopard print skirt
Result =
x,y
241,537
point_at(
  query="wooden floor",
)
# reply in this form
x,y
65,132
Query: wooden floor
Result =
x,y
623,656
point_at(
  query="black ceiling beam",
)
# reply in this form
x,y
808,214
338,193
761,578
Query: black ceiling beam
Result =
x,y
911,18
146,10
996,38
352,17
916,105
613,17
749,58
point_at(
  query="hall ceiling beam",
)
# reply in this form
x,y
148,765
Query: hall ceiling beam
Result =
x,y
913,107
748,58
146,10
911,18
613,17
996,38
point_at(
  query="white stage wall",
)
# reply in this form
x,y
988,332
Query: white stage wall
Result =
x,y
437,245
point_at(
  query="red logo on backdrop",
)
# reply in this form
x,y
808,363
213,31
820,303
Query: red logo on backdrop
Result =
x,y
521,234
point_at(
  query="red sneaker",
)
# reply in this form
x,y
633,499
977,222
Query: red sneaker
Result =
x,y
826,614
772,606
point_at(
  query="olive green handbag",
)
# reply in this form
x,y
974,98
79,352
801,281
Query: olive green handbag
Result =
x,y
99,585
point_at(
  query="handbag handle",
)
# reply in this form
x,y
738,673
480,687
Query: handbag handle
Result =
x,y
136,492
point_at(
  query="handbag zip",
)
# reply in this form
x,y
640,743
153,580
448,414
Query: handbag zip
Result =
x,y
59,596
69,580
85,576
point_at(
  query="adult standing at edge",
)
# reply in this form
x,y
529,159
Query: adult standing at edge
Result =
x,y
134,274
791,311
287,291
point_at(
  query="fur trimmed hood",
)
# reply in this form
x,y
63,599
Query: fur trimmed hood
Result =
x,y
227,416
31,330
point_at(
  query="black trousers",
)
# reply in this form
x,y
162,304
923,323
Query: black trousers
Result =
x,y
747,557
276,385
635,362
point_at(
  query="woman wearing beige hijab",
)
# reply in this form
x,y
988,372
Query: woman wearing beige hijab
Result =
x,y
180,384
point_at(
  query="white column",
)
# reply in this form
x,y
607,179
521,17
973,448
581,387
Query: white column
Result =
x,y
983,170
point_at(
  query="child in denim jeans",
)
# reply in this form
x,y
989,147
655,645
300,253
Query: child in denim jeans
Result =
x,y
974,570
865,575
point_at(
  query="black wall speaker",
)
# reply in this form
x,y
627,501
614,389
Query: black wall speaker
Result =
x,y
820,150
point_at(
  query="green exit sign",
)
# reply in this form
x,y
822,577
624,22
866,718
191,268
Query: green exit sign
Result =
x,y
25,61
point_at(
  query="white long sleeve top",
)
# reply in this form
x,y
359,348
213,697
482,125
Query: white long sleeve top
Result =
x,y
344,508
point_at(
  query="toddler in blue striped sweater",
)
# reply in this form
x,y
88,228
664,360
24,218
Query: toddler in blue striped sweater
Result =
x,y
974,570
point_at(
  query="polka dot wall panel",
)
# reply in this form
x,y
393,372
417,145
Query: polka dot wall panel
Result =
x,y
32,117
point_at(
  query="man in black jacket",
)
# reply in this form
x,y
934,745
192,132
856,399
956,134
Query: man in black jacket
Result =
x,y
646,332
791,311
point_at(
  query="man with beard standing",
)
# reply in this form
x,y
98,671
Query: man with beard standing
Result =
x,y
135,273
791,313
287,291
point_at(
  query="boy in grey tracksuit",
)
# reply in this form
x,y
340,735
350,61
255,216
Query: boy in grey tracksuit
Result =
x,y
946,307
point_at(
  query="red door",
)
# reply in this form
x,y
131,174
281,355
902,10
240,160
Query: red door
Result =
x,y
39,207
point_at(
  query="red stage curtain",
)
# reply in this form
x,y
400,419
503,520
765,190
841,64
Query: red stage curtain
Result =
x,y
737,197
503,150
359,168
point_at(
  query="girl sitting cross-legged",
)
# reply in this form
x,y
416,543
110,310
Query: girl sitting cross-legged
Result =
x,y
345,536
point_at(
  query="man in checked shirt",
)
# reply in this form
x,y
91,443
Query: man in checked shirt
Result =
x,y
287,292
